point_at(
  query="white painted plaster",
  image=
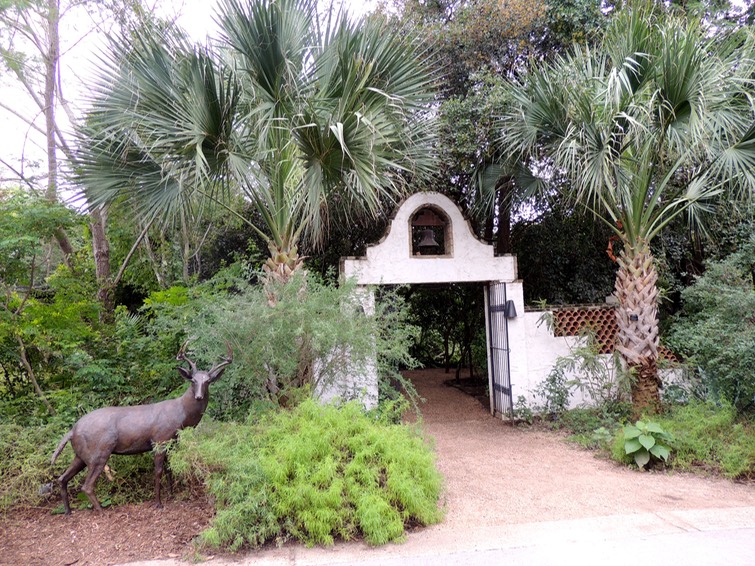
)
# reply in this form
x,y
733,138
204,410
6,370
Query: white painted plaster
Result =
x,y
541,350
391,262
359,381
467,260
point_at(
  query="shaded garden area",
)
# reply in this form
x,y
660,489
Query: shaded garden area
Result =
x,y
217,185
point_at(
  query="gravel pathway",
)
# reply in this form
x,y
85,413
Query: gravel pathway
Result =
x,y
497,474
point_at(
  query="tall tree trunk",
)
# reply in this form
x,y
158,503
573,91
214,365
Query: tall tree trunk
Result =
x,y
51,75
101,251
637,320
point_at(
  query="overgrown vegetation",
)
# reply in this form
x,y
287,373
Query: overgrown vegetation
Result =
x,y
316,335
599,379
711,438
699,429
716,330
279,465
315,473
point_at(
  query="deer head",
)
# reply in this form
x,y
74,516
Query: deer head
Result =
x,y
201,379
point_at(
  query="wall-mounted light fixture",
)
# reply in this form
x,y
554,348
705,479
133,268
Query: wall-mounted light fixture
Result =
x,y
510,310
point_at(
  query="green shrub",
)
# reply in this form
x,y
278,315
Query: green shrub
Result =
x,y
706,437
592,427
644,441
710,437
276,348
554,392
618,453
315,473
716,330
25,462
601,379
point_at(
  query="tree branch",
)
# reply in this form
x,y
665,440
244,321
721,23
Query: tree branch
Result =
x,y
130,253
32,377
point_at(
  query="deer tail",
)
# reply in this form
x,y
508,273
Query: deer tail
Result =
x,y
62,445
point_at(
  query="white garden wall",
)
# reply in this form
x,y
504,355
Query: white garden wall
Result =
x,y
542,349
397,259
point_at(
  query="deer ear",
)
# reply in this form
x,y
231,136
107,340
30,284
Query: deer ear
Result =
x,y
184,372
216,374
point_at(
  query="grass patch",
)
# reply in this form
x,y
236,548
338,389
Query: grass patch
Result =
x,y
592,428
712,438
25,453
25,462
314,474
705,437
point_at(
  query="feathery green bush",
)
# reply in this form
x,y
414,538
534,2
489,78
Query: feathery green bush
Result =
x,y
316,473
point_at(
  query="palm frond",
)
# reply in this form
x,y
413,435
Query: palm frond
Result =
x,y
627,123
161,124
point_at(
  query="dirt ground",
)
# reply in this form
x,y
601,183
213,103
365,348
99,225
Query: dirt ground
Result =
x,y
496,475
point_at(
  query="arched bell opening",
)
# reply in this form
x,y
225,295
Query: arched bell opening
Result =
x,y
431,233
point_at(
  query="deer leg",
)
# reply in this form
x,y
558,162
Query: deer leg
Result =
x,y
95,469
159,467
76,466
168,475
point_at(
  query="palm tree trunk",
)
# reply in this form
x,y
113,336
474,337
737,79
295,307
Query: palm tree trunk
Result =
x,y
637,320
284,262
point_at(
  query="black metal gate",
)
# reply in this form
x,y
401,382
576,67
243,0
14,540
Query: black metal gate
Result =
x,y
501,402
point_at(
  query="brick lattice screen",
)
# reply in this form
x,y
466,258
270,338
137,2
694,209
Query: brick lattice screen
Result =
x,y
570,321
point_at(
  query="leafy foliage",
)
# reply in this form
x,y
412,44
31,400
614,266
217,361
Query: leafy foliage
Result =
x,y
643,441
315,335
24,461
716,329
600,378
554,393
314,473
561,257
452,325
313,122
708,437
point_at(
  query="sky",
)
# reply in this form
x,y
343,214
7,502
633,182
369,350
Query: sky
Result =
x,y
197,15
17,140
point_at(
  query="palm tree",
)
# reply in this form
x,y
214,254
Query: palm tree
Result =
x,y
655,123
310,120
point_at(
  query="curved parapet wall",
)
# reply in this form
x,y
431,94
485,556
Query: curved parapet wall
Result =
x,y
391,262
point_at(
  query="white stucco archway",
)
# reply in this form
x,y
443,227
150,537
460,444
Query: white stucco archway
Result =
x,y
391,261
465,259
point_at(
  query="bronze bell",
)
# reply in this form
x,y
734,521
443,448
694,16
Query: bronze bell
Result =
x,y
427,239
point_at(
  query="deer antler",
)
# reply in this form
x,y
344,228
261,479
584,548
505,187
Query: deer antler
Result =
x,y
224,361
181,357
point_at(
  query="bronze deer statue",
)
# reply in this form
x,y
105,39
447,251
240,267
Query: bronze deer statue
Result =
x,y
136,429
